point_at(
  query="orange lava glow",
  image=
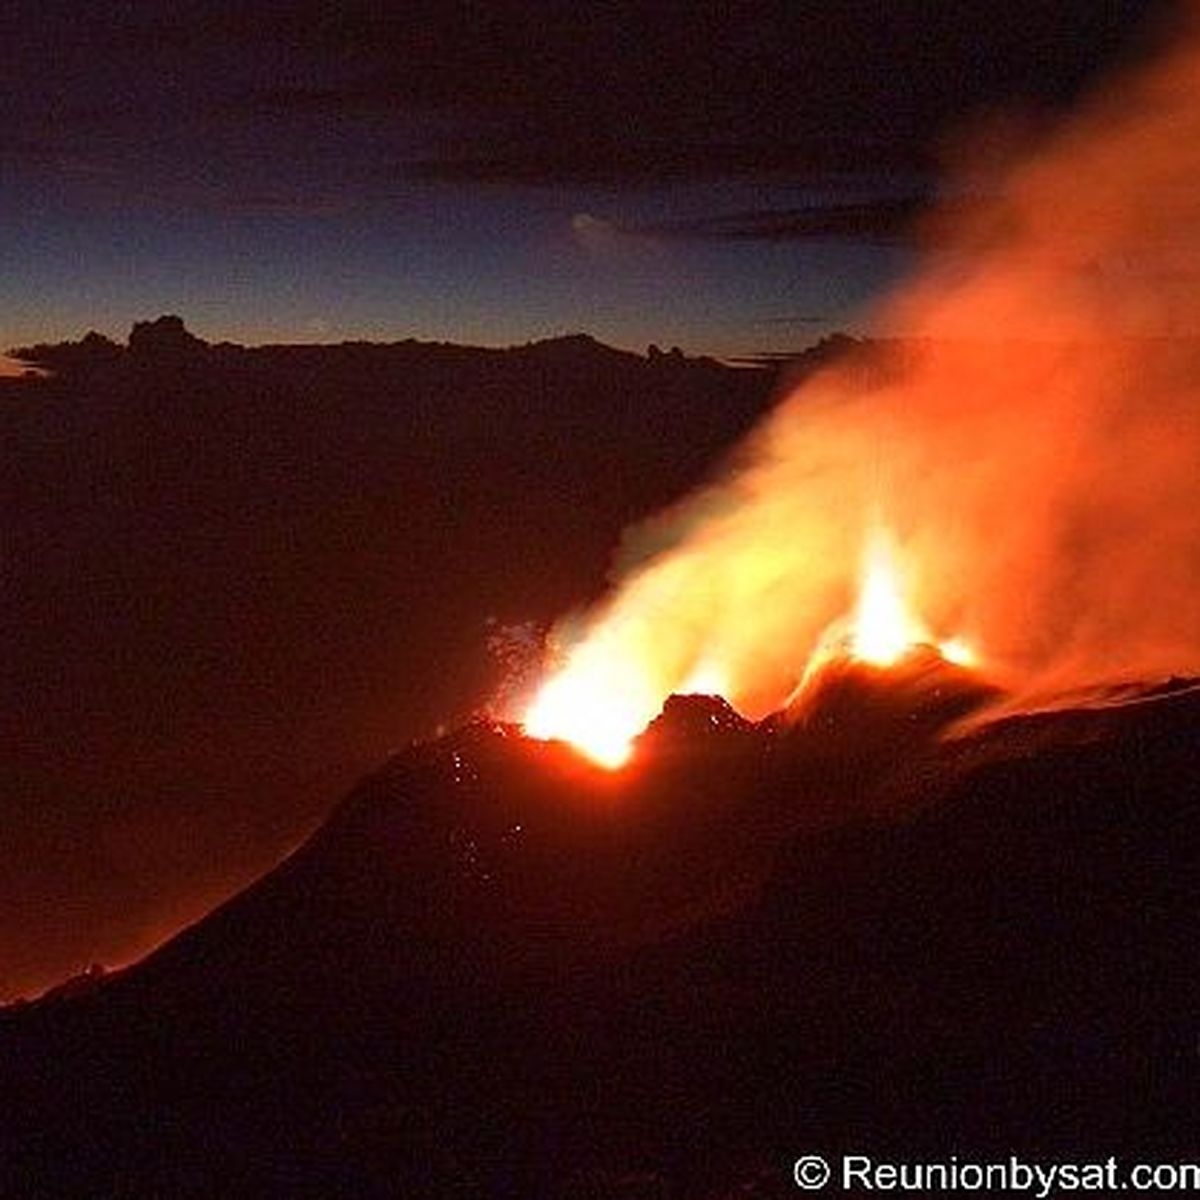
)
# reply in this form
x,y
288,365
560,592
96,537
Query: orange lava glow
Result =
x,y
956,651
884,629
1021,418
596,706
611,686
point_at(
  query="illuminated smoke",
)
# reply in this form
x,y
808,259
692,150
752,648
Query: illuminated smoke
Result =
x,y
1030,438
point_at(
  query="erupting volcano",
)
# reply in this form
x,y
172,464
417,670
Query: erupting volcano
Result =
x,y
859,815
600,702
598,709
1006,476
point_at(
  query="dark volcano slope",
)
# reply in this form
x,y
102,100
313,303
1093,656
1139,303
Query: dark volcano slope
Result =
x,y
235,579
496,971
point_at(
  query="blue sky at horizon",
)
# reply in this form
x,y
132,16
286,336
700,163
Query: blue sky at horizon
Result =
x,y
730,182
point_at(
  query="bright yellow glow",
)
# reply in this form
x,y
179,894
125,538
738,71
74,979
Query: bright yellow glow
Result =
x,y
566,710
706,679
596,702
600,701
956,651
615,681
882,630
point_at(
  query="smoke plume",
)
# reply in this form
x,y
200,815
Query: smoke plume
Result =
x,y
1028,432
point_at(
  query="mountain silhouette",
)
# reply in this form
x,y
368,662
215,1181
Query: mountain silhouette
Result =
x,y
498,971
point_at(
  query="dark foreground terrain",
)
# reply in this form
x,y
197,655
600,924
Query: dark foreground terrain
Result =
x,y
495,971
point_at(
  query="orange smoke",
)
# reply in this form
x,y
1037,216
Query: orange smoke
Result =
x,y
1026,427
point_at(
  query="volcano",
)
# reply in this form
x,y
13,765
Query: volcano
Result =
x,y
501,970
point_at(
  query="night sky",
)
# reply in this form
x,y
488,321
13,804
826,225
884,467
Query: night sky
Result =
x,y
219,608
729,178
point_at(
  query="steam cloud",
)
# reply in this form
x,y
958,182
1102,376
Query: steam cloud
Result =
x,y
1032,441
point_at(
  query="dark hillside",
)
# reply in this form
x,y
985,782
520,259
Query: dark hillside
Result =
x,y
496,972
236,578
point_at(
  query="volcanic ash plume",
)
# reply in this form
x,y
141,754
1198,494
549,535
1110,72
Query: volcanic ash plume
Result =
x,y
1028,443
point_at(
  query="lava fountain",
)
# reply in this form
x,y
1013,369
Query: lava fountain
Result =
x,y
597,704
884,628
1023,417
600,700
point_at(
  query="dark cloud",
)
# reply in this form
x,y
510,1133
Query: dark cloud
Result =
x,y
280,204
882,220
887,220
795,319
606,161
31,151
557,93
331,99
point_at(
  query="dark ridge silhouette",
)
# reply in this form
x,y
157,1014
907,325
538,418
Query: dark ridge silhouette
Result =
x,y
164,338
496,971
92,351
827,350
165,345
167,337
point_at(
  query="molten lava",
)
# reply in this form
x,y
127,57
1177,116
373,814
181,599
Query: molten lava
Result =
x,y
604,696
595,706
956,651
884,629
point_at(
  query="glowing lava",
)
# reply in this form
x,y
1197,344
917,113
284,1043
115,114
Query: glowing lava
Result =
x,y
706,679
612,685
956,651
595,707
883,629
600,700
